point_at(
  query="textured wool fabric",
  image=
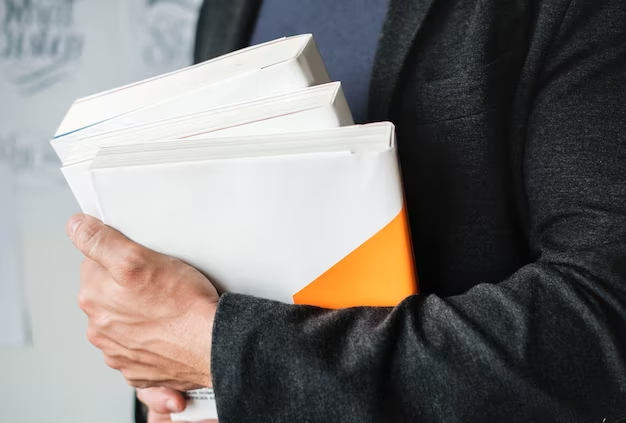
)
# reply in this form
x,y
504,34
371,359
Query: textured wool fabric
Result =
x,y
512,139
346,33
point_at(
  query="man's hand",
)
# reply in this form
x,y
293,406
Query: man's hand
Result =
x,y
162,402
150,314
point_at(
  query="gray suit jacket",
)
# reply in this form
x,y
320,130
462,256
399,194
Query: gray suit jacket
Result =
x,y
512,139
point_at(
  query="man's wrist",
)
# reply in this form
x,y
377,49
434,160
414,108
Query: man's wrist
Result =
x,y
207,319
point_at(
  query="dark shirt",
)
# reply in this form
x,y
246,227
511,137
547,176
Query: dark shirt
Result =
x,y
346,33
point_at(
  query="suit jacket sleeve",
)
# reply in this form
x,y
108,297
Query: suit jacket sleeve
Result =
x,y
546,344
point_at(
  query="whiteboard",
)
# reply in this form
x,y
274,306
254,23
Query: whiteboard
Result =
x,y
51,53
12,310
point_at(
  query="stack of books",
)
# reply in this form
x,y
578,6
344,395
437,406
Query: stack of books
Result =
x,y
248,167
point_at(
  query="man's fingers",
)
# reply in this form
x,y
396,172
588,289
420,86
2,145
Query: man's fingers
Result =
x,y
112,250
162,400
158,417
96,240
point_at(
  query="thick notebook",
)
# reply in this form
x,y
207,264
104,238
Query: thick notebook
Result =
x,y
318,107
264,70
309,218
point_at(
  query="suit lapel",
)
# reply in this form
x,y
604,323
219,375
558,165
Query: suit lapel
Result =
x,y
404,19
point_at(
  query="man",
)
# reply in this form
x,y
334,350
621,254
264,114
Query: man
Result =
x,y
512,139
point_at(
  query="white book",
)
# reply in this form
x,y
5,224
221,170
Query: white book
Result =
x,y
313,217
306,217
318,107
255,72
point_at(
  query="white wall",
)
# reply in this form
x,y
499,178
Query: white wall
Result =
x,y
58,376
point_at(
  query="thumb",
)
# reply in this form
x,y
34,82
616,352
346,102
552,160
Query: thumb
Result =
x,y
106,246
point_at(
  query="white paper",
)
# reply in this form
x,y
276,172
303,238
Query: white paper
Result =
x,y
12,321
200,406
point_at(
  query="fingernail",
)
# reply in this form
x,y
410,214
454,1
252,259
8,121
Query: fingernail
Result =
x,y
74,222
172,406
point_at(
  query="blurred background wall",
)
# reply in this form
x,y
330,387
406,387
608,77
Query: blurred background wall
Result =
x,y
51,53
